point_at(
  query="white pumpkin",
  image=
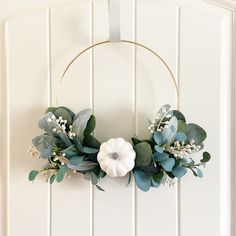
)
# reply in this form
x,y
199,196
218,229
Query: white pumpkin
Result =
x,y
116,157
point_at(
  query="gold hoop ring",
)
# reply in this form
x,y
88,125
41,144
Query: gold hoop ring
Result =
x,y
122,41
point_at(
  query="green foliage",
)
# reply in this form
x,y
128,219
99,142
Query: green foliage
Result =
x,y
52,178
206,157
90,125
182,127
32,175
142,180
179,115
64,114
143,154
91,141
170,132
61,173
196,133
70,146
158,177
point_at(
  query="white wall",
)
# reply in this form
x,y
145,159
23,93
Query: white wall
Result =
x,y
122,83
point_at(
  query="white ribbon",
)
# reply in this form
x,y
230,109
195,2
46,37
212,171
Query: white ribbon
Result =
x,y
114,20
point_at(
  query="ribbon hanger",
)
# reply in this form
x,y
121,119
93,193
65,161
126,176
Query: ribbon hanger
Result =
x,y
114,21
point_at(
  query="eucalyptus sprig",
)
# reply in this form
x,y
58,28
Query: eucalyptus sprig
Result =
x,y
69,147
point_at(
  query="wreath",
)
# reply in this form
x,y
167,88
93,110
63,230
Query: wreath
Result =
x,y
69,147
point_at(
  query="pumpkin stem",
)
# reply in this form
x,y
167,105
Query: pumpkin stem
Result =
x,y
115,156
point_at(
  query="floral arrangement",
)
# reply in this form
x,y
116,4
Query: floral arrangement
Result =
x,y
69,147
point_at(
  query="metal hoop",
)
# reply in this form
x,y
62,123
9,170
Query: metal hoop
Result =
x,y
122,41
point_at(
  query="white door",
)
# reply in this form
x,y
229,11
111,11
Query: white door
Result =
x,y
124,85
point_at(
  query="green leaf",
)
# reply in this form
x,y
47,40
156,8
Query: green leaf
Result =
x,y
61,173
92,177
206,157
79,125
135,141
178,115
163,112
64,114
179,171
50,109
102,174
89,150
90,125
199,173
170,132
142,180
158,137
83,166
44,144
180,137
76,160
70,151
52,178
72,114
32,175
99,188
196,133
143,154
158,177
182,127
168,164
157,156
92,142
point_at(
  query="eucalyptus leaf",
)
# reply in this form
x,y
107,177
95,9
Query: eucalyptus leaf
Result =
x,y
170,132
76,160
90,125
182,127
206,157
70,151
43,123
91,175
99,188
61,173
102,174
52,178
159,149
64,138
158,137
135,141
83,166
32,175
163,112
199,173
143,154
72,114
87,112
64,114
157,156
179,115
79,126
196,133
180,137
158,177
179,171
91,141
168,164
89,150
50,109
44,144
143,181
154,183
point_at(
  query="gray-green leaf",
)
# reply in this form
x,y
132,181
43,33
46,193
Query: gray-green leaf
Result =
x,y
32,175
143,154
